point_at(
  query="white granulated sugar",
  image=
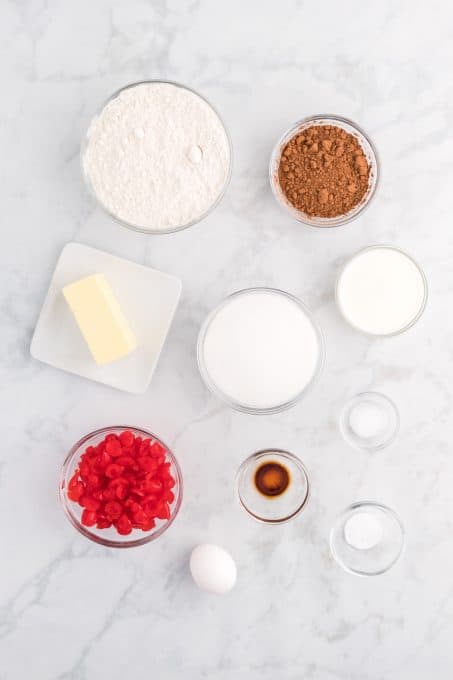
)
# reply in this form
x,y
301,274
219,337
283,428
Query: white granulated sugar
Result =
x,y
261,349
157,156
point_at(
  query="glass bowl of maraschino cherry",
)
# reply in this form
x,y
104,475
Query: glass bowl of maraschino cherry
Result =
x,y
121,486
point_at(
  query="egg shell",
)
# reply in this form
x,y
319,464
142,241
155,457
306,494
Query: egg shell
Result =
x,y
212,568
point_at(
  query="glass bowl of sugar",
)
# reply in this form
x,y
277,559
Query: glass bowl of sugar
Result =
x,y
157,157
260,350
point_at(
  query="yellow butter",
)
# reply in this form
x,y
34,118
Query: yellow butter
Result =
x,y
100,319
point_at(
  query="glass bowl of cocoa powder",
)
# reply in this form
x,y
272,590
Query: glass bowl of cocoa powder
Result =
x,y
324,170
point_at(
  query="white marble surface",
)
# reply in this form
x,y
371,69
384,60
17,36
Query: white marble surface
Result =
x,y
70,609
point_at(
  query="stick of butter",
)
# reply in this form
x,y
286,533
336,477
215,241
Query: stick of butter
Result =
x,y
100,319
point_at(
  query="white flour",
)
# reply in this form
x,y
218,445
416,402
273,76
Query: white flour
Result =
x,y
157,156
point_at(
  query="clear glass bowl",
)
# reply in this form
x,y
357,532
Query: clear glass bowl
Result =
x,y
213,387
273,509
137,227
400,330
383,421
372,558
110,537
368,148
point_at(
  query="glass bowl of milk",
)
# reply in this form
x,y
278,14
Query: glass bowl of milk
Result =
x,y
381,291
260,350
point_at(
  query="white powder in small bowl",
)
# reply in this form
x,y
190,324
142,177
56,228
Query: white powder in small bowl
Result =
x,y
368,420
157,157
363,531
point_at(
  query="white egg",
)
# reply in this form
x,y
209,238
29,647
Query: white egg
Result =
x,y
212,568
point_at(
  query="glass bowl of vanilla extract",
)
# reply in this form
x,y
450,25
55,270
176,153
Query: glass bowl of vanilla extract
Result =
x,y
273,486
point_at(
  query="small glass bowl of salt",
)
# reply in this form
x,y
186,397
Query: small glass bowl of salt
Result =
x,y
367,538
369,421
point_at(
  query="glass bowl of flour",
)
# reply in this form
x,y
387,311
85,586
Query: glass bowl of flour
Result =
x,y
157,157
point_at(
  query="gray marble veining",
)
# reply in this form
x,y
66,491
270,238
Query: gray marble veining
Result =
x,y
71,610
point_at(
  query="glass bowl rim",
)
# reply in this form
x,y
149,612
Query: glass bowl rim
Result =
x,y
419,269
85,531
389,440
357,505
217,392
339,220
87,181
289,456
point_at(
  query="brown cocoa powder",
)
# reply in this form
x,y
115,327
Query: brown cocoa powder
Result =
x,y
323,171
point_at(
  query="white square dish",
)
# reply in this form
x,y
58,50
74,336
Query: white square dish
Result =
x,y
147,297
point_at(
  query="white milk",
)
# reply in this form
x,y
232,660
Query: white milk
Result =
x,y
381,291
260,349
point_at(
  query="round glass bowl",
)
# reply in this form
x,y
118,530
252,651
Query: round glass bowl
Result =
x,y
260,350
369,421
273,509
367,147
367,539
110,537
381,291
138,227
